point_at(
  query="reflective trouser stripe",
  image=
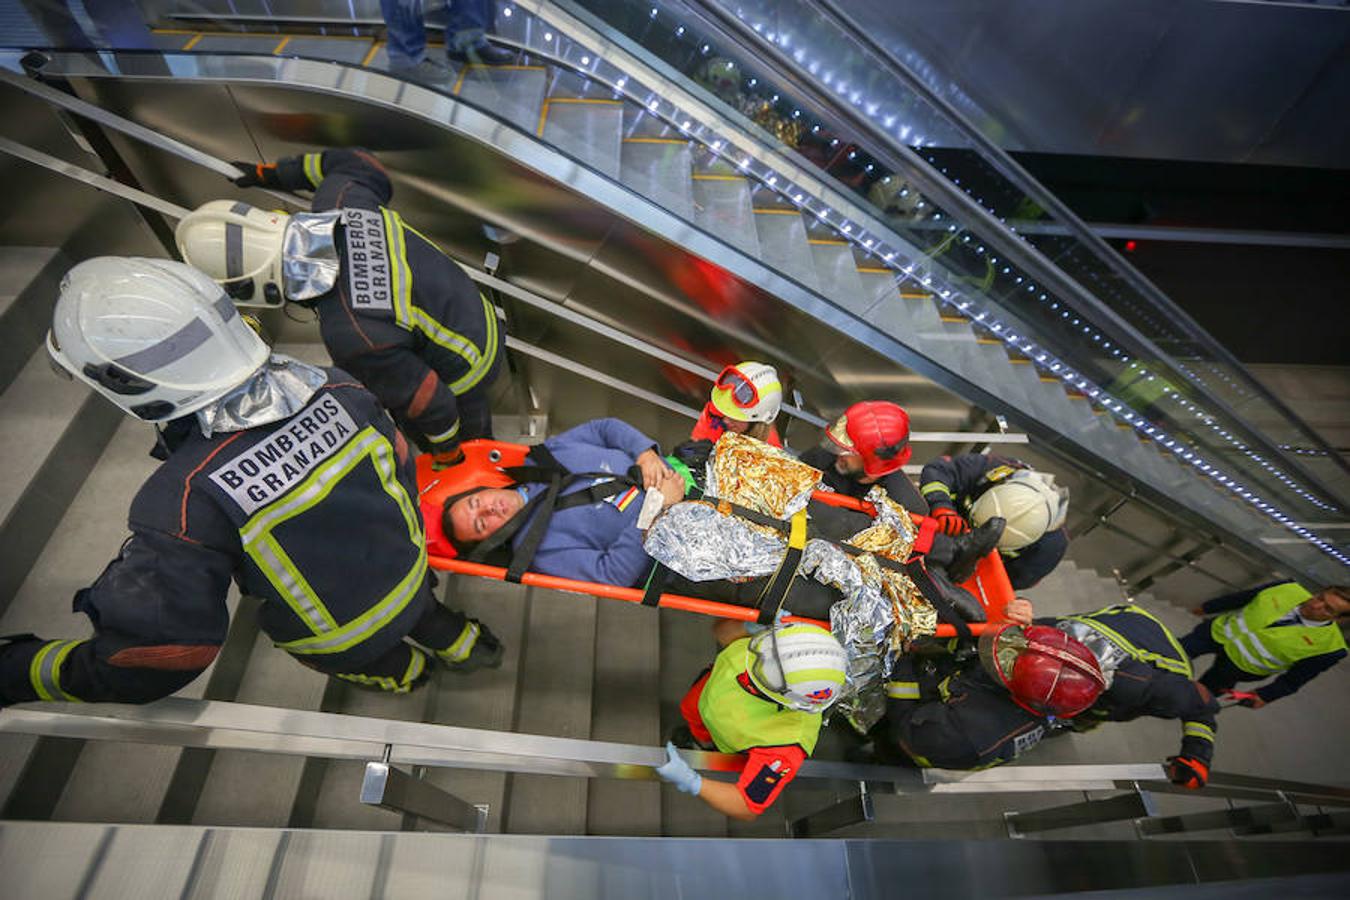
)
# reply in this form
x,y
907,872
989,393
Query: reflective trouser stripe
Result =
x,y
1249,648
313,163
1197,730
44,672
402,685
902,690
448,435
463,645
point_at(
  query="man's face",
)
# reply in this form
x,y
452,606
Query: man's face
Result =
x,y
851,465
1324,607
477,516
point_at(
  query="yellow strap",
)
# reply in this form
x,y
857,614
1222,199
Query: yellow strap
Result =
x,y
797,534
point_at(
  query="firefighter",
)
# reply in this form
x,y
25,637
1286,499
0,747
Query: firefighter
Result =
x,y
867,445
393,309
287,478
1069,673
971,488
745,399
764,696
1278,629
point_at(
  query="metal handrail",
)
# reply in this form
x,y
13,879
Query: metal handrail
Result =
x,y
557,310
1046,199
997,234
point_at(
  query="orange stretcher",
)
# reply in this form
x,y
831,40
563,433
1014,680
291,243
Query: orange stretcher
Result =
x,y
482,466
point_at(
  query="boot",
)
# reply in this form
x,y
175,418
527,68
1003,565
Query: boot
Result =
x,y
969,548
486,653
966,604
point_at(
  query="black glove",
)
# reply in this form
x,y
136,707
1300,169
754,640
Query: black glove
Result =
x,y
255,174
1187,771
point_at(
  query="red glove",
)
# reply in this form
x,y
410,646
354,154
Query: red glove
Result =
x,y
447,458
1187,771
950,521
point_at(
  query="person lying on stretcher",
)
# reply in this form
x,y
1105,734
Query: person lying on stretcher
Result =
x,y
572,511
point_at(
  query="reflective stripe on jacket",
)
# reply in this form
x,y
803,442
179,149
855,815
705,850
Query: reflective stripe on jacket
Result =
x,y
1259,647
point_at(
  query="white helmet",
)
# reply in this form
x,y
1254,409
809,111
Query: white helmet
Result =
x,y
801,667
748,392
238,245
156,337
1030,502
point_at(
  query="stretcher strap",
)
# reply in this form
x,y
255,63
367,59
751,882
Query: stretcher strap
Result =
x,y
656,582
776,591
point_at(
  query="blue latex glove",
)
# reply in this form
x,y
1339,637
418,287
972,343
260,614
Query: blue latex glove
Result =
x,y
754,628
678,773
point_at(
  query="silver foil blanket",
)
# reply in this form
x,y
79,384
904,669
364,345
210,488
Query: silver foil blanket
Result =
x,y
880,610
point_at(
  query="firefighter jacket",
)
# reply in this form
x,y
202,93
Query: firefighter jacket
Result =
x,y
1155,678
315,514
896,485
1256,640
956,482
403,317
949,713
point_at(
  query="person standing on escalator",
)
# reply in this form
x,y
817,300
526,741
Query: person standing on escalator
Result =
x,y
393,309
867,445
467,25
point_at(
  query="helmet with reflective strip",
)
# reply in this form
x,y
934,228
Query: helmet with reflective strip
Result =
x,y
801,667
238,245
1029,501
877,431
1046,671
156,337
767,392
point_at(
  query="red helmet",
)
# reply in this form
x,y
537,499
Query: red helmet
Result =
x,y
1046,671
878,432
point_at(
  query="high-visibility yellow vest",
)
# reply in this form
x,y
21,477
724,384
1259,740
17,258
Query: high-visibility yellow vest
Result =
x,y
738,720
1255,647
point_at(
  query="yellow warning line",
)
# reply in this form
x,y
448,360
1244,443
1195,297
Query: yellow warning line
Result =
x,y
543,117
192,41
911,295
646,140
992,341
700,176
459,82
874,270
955,320
505,68
370,54
1049,379
593,100
281,46
1019,360
775,211
826,242
172,31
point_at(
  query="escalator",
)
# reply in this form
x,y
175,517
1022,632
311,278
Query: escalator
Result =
x,y
620,191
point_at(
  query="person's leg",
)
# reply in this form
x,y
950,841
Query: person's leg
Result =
x,y
1200,641
467,22
405,31
1223,675
398,670
460,643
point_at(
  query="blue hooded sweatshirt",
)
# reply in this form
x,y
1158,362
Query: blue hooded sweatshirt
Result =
x,y
601,541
